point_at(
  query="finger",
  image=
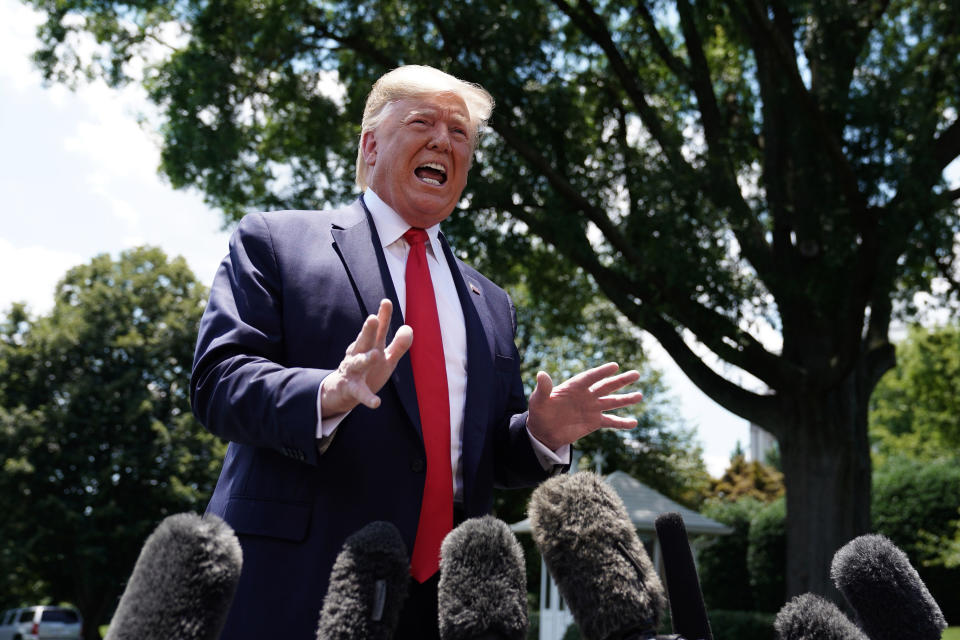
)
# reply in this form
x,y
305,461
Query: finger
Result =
x,y
617,422
591,376
613,383
543,388
383,322
399,345
364,396
368,334
608,403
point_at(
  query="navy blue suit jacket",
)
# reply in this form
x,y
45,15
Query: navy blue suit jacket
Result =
x,y
285,304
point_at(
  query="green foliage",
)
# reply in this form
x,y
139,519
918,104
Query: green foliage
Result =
x,y
915,410
722,561
743,625
914,502
97,437
767,557
707,167
754,479
745,570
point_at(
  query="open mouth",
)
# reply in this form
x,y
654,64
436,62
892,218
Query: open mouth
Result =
x,y
431,173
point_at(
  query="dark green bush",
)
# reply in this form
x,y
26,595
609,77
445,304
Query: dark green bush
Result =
x,y
909,497
722,561
767,557
742,625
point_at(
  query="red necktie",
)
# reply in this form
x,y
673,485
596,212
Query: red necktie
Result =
x,y
433,398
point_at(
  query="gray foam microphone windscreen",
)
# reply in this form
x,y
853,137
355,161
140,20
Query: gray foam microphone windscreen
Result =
x,y
483,583
183,582
810,617
885,591
593,553
368,585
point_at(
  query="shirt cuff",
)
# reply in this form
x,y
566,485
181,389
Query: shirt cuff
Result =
x,y
549,458
326,427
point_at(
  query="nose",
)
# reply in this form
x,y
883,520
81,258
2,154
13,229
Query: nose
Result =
x,y
440,138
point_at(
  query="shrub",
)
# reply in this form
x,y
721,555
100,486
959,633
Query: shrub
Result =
x,y
742,625
767,557
722,561
910,497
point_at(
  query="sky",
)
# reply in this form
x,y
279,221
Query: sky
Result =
x,y
79,178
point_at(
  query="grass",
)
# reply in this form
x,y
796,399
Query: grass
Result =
x,y
951,633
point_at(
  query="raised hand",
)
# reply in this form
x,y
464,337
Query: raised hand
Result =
x,y
563,414
367,365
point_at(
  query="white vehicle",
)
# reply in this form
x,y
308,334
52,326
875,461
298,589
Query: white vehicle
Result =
x,y
41,623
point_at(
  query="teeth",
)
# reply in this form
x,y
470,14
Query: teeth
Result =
x,y
435,165
431,181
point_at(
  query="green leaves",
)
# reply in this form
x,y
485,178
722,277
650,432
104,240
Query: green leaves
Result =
x,y
95,426
914,410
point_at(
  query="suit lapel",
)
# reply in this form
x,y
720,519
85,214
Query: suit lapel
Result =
x,y
359,248
480,377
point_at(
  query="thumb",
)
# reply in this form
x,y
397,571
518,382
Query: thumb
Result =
x,y
544,386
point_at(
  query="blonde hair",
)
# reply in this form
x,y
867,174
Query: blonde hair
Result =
x,y
413,81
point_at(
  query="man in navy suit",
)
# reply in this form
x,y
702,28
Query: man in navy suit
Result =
x,y
302,363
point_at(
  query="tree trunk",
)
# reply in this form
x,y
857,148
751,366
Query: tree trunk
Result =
x,y
825,454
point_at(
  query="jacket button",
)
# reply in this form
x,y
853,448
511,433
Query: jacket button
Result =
x,y
417,465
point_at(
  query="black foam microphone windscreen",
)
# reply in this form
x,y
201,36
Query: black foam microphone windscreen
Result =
x,y
368,585
687,611
183,582
889,598
483,583
593,553
810,617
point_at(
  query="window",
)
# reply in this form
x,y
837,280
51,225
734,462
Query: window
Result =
x,y
67,616
26,615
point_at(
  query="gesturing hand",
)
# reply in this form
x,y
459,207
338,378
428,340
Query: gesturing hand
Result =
x,y
367,365
563,414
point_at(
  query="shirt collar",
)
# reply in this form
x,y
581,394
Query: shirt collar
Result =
x,y
390,226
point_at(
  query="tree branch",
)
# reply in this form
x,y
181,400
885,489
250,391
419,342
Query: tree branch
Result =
x,y
750,234
784,53
594,28
946,147
566,190
660,47
715,331
757,408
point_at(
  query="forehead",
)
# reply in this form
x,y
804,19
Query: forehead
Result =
x,y
448,105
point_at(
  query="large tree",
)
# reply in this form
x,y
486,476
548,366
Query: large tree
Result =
x,y
96,433
714,167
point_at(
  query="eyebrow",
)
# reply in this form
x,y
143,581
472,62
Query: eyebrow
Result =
x,y
432,113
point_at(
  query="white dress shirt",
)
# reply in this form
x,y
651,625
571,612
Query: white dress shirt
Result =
x,y
391,227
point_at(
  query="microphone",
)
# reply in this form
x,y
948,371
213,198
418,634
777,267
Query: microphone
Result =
x,y
368,585
687,611
885,591
593,553
183,582
810,617
482,593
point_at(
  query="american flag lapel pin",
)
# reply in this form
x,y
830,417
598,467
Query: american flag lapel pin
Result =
x,y
474,288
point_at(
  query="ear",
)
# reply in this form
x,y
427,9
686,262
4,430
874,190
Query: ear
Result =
x,y
368,145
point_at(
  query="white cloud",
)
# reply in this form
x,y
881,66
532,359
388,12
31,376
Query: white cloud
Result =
x,y
31,273
18,24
